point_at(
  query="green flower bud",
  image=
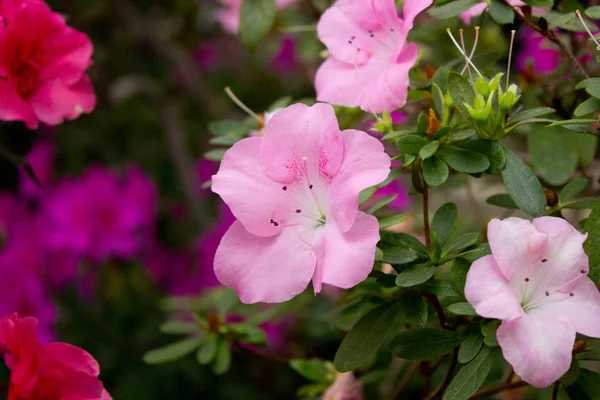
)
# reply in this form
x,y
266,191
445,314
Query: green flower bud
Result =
x,y
482,87
495,82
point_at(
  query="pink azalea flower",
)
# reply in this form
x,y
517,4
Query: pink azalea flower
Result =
x,y
370,57
294,192
538,52
40,159
52,371
480,8
229,15
42,67
345,387
101,216
536,281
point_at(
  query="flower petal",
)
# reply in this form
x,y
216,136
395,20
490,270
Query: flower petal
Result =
x,y
300,140
72,358
259,269
489,292
365,164
412,8
13,107
581,311
515,242
346,259
252,196
538,348
474,11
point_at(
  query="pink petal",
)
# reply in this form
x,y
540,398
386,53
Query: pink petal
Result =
x,y
271,270
580,311
515,243
13,107
73,358
412,8
538,348
489,292
365,164
252,196
346,259
474,11
54,101
299,139
339,83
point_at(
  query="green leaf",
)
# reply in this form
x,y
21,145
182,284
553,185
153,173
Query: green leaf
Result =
x,y
553,154
571,375
587,386
540,3
415,275
256,19
215,154
501,13
475,253
222,360
397,134
580,204
381,203
502,200
463,241
423,344
171,352
584,84
572,189
592,244
461,135
438,100
492,150
587,107
461,92
315,370
458,270
528,114
523,186
489,330
471,376
429,149
593,12
391,220
464,160
366,194
568,21
435,171
586,148
413,307
178,328
593,90
440,287
231,128
207,351
463,308
444,221
411,242
472,341
452,9
367,336
592,351
411,144
440,78
394,254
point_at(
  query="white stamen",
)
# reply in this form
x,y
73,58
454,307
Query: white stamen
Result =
x,y
587,29
462,43
467,59
512,40
473,49
241,105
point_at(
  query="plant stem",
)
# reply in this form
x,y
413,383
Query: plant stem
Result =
x,y
549,33
446,380
404,381
426,216
497,389
555,391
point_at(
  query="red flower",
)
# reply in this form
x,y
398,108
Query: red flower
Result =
x,y
56,371
42,65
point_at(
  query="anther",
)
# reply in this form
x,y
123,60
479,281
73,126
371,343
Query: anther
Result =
x,y
271,221
284,188
298,211
350,41
547,294
571,294
275,224
310,186
583,271
544,259
526,279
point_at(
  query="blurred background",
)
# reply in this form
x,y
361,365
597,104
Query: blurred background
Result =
x,y
124,223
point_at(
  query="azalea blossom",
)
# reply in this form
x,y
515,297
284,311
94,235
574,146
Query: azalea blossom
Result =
x,y
43,65
370,57
536,281
345,387
54,371
229,15
294,192
480,8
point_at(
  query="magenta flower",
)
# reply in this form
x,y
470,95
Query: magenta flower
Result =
x,y
345,387
294,192
536,281
41,160
229,15
370,57
42,66
537,53
101,216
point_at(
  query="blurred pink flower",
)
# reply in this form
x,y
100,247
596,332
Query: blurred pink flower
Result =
x,y
42,66
536,281
345,387
229,14
41,160
536,52
99,216
370,57
285,59
480,8
294,192
51,371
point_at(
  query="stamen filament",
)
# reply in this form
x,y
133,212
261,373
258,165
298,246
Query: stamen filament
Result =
x,y
241,105
473,49
462,43
512,41
587,29
467,59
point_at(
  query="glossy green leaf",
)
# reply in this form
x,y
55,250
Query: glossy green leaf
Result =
x,y
415,275
444,221
367,336
414,307
438,100
587,107
553,154
502,200
451,9
471,343
429,149
523,186
256,19
435,171
315,370
391,220
584,84
463,308
584,203
208,350
423,344
593,12
530,113
464,160
381,203
458,270
411,144
172,352
222,360
397,254
540,3
461,92
461,242
440,287
586,148
572,189
501,13
471,376
592,244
